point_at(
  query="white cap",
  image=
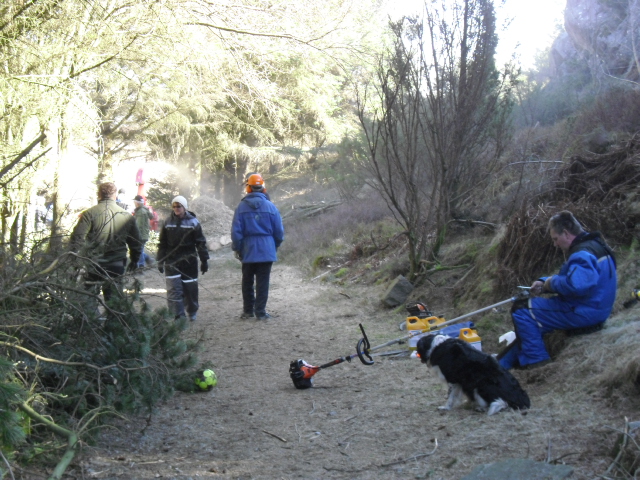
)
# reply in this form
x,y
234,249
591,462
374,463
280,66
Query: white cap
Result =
x,y
181,200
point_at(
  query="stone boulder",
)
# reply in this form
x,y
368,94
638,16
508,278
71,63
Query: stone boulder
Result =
x,y
397,292
520,469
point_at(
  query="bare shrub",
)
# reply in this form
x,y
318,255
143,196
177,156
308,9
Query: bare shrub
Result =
x,y
334,229
605,181
617,109
435,119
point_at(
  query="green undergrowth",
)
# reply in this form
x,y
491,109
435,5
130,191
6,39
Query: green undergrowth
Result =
x,y
78,361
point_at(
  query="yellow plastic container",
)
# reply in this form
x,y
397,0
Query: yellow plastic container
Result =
x,y
426,324
471,336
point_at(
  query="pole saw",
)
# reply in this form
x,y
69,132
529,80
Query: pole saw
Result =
x,y
302,373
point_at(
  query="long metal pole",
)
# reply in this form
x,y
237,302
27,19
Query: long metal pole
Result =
x,y
439,325
457,319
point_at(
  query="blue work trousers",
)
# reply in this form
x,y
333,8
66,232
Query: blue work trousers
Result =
x,y
255,301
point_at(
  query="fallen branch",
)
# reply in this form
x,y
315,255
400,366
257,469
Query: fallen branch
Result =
x,y
6,462
329,271
462,279
623,445
414,457
53,360
73,364
492,226
309,210
71,436
275,436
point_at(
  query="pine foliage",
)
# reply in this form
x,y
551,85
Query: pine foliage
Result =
x,y
81,359
12,432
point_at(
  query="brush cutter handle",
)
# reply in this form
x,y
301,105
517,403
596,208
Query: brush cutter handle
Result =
x,y
522,295
363,347
337,361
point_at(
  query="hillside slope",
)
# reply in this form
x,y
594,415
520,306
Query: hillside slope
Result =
x,y
358,422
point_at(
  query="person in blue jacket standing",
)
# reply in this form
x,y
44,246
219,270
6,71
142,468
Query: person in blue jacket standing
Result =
x,y
256,234
584,292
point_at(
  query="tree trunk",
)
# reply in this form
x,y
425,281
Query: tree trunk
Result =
x,y
58,132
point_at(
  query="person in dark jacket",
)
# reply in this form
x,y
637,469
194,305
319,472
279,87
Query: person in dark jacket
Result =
x,y
103,233
181,243
584,292
256,234
142,215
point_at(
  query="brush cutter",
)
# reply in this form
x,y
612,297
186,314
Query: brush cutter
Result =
x,y
302,373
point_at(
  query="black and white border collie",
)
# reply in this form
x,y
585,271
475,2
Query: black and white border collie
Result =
x,y
472,373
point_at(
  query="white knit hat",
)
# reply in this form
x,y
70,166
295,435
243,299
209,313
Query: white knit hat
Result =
x,y
181,200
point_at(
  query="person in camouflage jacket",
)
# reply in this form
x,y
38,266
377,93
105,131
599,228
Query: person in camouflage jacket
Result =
x,y
103,235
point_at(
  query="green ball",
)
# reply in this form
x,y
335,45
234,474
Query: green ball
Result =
x,y
210,377
207,381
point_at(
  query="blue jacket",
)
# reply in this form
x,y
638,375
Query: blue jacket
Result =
x,y
586,284
256,231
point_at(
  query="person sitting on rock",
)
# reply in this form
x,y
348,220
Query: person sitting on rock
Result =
x,y
584,292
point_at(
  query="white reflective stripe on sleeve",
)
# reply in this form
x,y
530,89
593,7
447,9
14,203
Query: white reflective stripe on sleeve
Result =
x,y
173,276
189,281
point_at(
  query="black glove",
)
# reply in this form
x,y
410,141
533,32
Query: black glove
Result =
x,y
204,267
132,266
238,256
161,268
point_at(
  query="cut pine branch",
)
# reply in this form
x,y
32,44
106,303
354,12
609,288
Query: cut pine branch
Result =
x,y
71,436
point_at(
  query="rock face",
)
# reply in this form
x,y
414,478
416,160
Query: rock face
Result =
x,y
215,218
601,35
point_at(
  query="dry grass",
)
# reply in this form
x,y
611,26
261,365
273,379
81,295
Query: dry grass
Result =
x,y
333,233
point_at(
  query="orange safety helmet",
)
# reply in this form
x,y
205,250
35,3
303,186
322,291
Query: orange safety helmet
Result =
x,y
256,182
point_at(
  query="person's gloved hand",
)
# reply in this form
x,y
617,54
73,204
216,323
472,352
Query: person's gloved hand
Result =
x,y
238,255
132,266
161,267
536,288
204,267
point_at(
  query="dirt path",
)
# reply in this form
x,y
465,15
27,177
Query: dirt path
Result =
x,y
358,422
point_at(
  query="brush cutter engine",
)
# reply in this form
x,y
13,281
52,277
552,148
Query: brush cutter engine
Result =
x,y
419,310
301,373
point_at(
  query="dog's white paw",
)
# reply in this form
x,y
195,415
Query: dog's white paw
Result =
x,y
444,407
496,406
